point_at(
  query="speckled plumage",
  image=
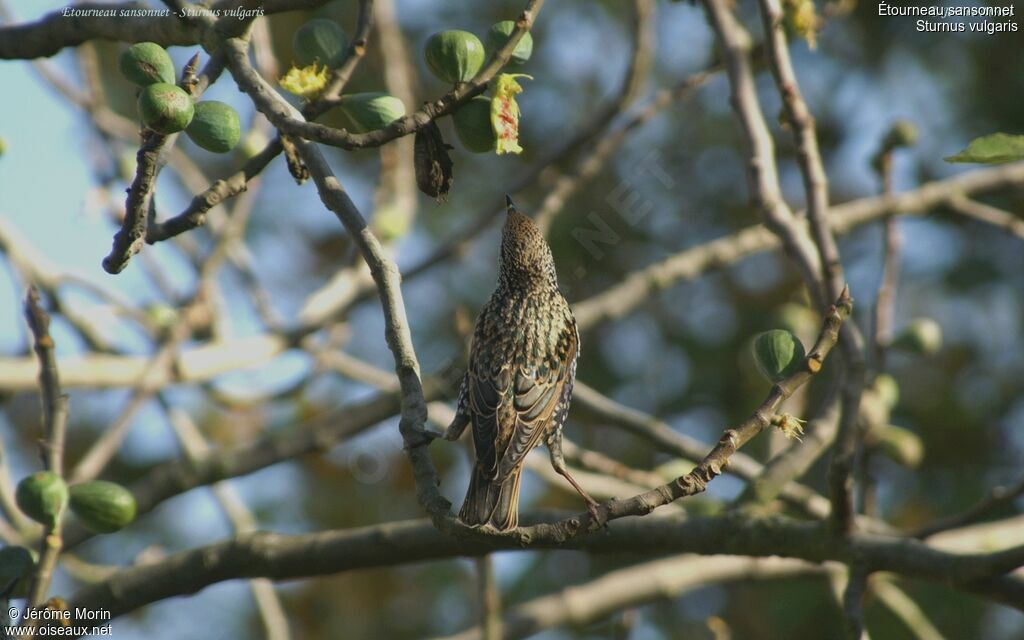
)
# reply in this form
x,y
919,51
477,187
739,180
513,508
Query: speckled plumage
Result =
x,y
518,386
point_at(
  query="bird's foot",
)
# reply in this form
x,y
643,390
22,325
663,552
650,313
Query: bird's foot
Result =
x,y
421,438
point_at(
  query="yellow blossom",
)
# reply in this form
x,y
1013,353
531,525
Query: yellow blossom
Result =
x,y
803,19
791,426
307,82
505,112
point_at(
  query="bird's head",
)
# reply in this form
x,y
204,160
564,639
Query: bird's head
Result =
x,y
525,255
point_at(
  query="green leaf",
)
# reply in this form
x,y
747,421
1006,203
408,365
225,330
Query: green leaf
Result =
x,y
996,148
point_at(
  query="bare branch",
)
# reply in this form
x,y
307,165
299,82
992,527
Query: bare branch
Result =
x,y
385,275
55,403
662,579
281,557
903,607
988,214
783,469
853,605
636,288
806,138
735,45
55,31
633,83
490,599
998,497
55,415
591,403
242,520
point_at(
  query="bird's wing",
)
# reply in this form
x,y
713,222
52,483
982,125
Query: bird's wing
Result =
x,y
513,409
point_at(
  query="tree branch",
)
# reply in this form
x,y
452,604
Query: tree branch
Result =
x,y
735,45
210,360
195,214
637,287
55,31
663,579
55,415
384,271
600,407
292,124
282,557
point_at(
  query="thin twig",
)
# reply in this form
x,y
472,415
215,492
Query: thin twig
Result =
x,y
988,214
885,305
396,188
139,206
490,599
808,155
997,498
194,444
663,579
853,606
782,470
914,619
597,406
55,415
632,85
735,45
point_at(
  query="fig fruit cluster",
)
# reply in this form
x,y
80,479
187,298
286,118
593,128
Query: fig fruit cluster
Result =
x,y
166,108
456,56
103,507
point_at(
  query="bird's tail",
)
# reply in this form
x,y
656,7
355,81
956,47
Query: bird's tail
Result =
x,y
490,501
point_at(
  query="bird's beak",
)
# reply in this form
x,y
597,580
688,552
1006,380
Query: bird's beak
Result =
x,y
510,207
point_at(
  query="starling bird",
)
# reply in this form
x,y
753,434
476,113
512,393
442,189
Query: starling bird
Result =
x,y
517,388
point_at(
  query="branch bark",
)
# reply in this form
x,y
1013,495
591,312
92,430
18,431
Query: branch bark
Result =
x,y
55,415
282,557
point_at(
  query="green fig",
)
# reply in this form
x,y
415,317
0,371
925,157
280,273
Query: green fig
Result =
x,y
103,507
887,389
42,496
215,126
922,336
15,563
371,111
778,353
165,108
320,40
902,133
901,445
147,63
454,56
473,125
499,34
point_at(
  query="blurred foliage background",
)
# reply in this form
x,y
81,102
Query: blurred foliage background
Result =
x,y
682,356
